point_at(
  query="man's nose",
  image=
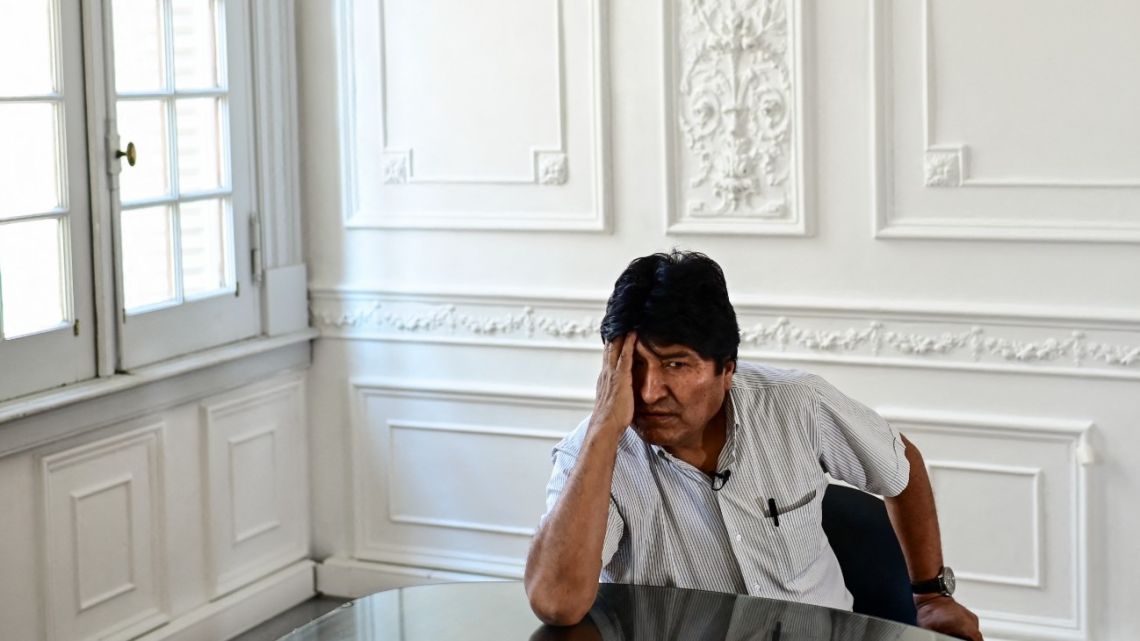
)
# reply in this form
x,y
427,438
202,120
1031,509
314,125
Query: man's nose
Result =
x,y
651,386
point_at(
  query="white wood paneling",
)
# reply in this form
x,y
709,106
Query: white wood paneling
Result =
x,y
426,457
734,117
106,402
279,155
524,147
973,139
899,124
257,483
1011,493
104,549
233,614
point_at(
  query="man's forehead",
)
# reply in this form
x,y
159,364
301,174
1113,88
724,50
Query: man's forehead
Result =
x,y
667,350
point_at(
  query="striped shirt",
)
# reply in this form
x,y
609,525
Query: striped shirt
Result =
x,y
787,430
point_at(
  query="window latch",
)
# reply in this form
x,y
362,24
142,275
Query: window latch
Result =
x,y
256,269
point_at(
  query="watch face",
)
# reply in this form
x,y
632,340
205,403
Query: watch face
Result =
x,y
948,581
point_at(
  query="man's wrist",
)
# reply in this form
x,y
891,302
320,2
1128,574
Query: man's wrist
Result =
x,y
603,433
605,425
944,583
922,599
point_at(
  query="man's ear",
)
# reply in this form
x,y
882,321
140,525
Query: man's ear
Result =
x,y
729,370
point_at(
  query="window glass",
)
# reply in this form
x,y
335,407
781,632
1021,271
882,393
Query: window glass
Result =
x,y
31,277
31,165
139,46
148,257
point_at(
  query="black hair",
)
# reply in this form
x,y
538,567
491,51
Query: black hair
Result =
x,y
675,298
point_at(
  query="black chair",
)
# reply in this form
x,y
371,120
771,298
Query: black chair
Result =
x,y
874,569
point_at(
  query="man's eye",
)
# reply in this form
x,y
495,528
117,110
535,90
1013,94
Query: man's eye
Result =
x,y
674,364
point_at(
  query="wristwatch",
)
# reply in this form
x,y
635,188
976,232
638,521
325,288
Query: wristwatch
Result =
x,y
942,584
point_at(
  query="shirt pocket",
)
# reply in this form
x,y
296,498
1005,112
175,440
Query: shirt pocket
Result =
x,y
797,531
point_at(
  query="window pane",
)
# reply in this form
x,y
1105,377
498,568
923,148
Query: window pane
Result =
x,y
148,257
195,59
199,145
29,165
31,277
143,122
26,36
205,247
139,50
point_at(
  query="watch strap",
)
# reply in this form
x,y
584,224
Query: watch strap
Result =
x,y
928,586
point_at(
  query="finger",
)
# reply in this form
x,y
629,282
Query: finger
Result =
x,y
625,359
611,352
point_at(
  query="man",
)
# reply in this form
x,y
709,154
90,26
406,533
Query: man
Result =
x,y
699,472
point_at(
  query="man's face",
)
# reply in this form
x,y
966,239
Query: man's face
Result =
x,y
676,393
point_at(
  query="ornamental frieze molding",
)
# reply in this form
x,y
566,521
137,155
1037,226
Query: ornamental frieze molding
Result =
x,y
447,319
975,344
578,324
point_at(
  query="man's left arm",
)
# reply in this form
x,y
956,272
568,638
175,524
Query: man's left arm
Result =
x,y
916,526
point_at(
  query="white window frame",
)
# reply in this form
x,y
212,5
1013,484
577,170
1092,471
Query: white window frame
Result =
x,y
152,336
270,260
64,354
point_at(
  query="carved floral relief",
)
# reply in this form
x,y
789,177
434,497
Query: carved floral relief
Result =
x,y
734,107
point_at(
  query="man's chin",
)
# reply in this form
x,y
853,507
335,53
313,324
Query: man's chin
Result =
x,y
654,429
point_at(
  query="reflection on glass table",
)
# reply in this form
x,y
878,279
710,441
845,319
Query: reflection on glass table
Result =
x,y
500,612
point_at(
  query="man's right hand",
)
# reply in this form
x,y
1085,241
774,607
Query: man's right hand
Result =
x,y
613,404
565,557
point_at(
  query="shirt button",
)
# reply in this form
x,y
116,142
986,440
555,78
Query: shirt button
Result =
x,y
739,538
756,587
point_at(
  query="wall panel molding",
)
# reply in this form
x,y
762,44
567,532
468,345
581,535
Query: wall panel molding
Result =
x,y
104,551
1041,340
1053,452
951,158
551,437
1033,580
548,165
255,499
398,519
734,117
125,533
946,163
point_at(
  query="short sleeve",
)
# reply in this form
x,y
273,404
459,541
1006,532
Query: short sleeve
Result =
x,y
563,463
857,445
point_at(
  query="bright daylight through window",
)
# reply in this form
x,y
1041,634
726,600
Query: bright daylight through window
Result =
x,y
171,103
35,293
159,202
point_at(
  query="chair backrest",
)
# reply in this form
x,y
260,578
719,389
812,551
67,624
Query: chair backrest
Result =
x,y
873,566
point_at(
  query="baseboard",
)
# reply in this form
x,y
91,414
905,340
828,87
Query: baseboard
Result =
x,y
235,613
348,578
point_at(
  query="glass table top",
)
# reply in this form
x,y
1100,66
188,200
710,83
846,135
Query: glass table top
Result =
x,y
500,612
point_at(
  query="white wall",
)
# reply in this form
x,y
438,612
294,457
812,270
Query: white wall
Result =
x,y
178,508
946,228
171,501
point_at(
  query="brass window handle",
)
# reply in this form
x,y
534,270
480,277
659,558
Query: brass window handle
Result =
x,y
130,153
